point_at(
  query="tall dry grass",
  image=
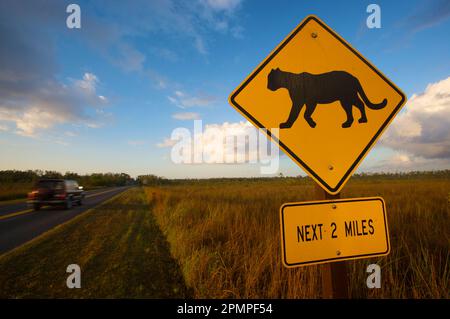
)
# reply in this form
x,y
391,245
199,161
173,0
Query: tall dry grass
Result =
x,y
10,191
226,237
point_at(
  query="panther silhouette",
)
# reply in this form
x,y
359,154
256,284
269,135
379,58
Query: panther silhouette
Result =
x,y
312,89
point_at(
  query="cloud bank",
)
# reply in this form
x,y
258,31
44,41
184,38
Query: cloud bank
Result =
x,y
423,129
420,135
32,97
183,100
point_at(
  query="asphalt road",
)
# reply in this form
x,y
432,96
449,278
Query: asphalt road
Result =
x,y
19,223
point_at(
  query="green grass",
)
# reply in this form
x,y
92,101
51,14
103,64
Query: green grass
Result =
x,y
118,245
225,235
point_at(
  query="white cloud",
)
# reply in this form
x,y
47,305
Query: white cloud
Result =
x,y
186,116
404,162
31,96
423,128
212,138
88,83
4,128
36,118
182,100
222,143
53,103
213,144
218,5
220,15
419,137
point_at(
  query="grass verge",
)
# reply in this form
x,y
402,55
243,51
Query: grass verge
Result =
x,y
118,245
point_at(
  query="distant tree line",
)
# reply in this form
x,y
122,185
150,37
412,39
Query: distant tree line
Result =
x,y
156,180
405,175
121,179
152,180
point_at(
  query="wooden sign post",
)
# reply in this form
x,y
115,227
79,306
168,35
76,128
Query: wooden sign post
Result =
x,y
334,275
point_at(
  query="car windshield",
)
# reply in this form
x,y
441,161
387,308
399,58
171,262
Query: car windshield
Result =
x,y
50,184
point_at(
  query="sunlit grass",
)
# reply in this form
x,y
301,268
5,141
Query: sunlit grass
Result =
x,y
226,238
224,235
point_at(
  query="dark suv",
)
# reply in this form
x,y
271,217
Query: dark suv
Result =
x,y
55,192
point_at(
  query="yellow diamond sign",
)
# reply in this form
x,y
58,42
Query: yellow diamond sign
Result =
x,y
321,101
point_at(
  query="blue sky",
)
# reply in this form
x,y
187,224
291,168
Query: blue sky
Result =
x,y
105,97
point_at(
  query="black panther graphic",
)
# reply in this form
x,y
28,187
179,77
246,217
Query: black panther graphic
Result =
x,y
312,89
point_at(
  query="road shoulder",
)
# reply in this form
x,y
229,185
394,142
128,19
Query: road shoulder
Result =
x,y
118,245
